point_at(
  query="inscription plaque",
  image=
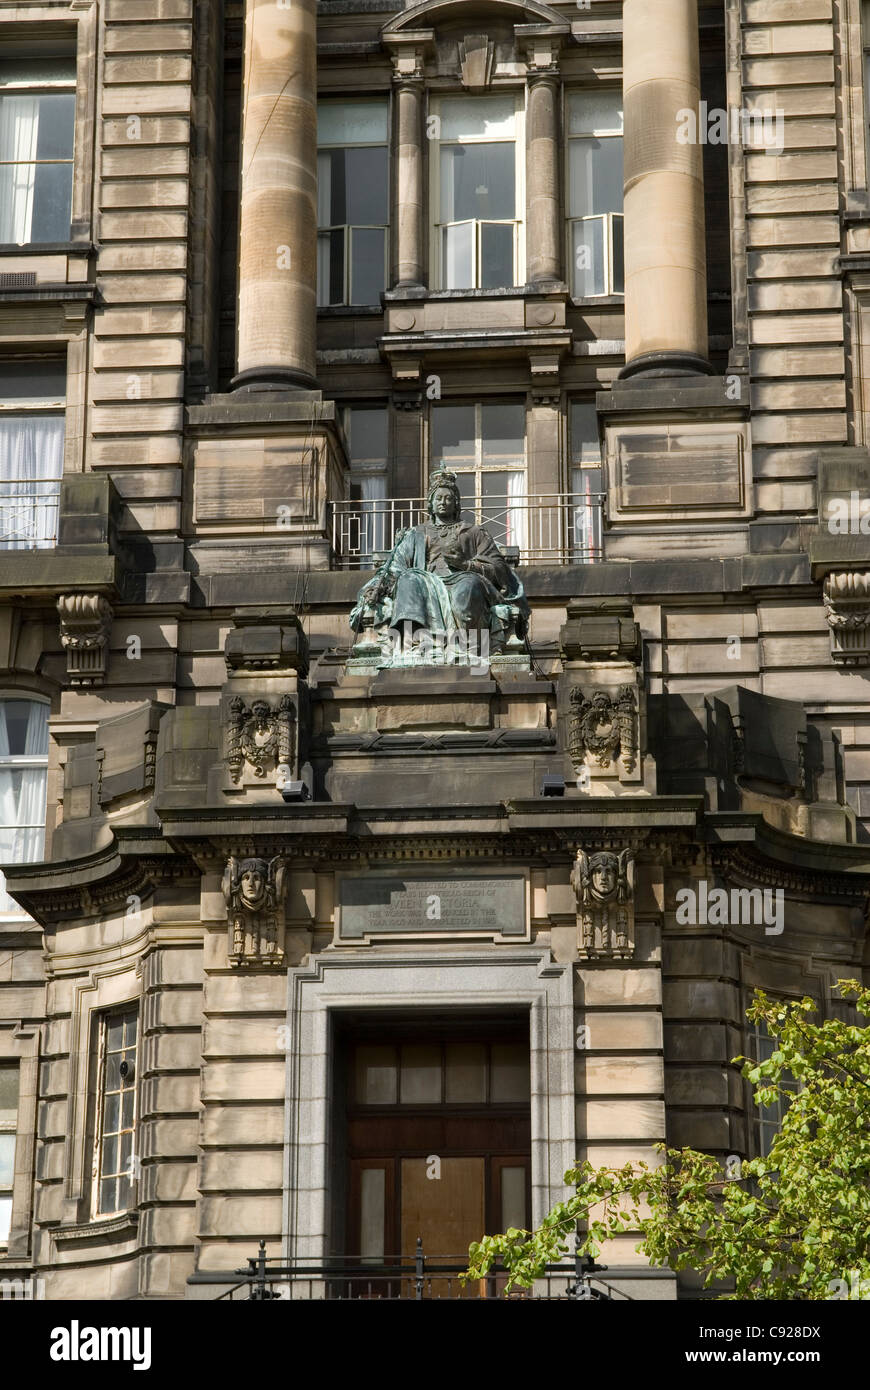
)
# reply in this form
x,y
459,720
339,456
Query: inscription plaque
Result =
x,y
375,905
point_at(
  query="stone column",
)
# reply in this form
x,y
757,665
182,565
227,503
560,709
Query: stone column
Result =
x,y
409,222
543,224
277,312
665,260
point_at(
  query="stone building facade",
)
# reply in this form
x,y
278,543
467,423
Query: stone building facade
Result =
x,y
311,938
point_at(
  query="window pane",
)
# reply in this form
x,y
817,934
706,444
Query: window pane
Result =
x,y
496,255
127,1109
54,139
513,1198
9,1095
452,434
595,111
110,1154
31,463
52,200
372,1211
585,447
111,1110
376,1075
478,181
32,72
367,265
586,488
466,1073
503,429
366,432
510,1072
5,1218
7,1159
420,1075
33,381
330,267
352,123
588,255
618,225
478,116
457,257
23,729
114,1034
595,176
366,187
107,1196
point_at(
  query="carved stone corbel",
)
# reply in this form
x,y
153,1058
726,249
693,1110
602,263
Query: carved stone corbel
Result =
x,y
603,885
85,624
847,610
254,891
475,60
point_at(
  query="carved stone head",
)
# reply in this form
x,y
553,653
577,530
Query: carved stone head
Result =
x,y
603,875
253,877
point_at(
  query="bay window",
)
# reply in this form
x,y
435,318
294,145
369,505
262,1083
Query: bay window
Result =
x,y
595,193
32,398
23,773
477,193
37,122
485,446
352,201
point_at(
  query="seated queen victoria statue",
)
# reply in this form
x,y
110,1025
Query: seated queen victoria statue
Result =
x,y
445,589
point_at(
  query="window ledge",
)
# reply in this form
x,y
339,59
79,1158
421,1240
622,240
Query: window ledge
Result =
x,y
343,311
65,291
599,301
47,248
416,293
125,1224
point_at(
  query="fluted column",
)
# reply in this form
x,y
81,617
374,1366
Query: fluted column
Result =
x,y
277,312
665,259
409,119
543,226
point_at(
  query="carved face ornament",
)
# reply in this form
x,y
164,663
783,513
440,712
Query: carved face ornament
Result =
x,y
604,875
252,884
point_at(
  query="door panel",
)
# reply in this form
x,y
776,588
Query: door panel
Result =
x,y
448,1212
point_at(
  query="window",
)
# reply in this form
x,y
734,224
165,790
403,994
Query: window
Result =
x,y
37,121
586,483
32,398
767,1119
485,445
23,771
595,193
366,431
113,1160
352,202
8,1127
477,193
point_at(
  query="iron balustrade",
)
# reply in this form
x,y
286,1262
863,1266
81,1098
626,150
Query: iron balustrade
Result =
x,y
28,518
556,528
410,1278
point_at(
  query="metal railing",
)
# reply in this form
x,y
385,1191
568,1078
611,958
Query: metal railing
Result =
x,y
554,529
416,1278
28,519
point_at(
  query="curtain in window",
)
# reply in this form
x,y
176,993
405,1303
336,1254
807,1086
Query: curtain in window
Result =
x,y
518,512
19,126
31,463
22,791
373,520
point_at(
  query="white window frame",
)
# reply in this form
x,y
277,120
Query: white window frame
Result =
x,y
375,527
608,219
37,88
480,465
765,1120
104,1019
11,1127
347,300
32,407
518,222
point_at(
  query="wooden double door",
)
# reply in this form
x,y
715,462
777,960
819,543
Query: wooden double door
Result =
x,y
438,1147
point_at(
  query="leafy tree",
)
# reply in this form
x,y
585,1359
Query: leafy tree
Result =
x,y
785,1226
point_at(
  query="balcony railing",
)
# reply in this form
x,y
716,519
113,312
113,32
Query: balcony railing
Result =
x,y
28,518
554,529
416,1278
